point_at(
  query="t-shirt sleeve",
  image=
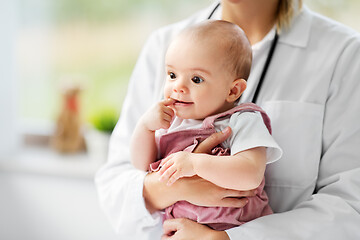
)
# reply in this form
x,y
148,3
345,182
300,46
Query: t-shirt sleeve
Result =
x,y
249,131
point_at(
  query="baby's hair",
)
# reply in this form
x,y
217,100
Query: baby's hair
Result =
x,y
231,38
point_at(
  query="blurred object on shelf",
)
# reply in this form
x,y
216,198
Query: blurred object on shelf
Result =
x,y
97,145
105,120
97,136
68,137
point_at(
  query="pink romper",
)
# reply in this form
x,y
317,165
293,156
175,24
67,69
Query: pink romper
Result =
x,y
218,218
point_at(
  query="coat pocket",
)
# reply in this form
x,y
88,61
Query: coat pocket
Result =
x,y
297,128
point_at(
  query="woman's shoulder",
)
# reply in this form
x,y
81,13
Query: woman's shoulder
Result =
x,y
330,26
314,32
329,29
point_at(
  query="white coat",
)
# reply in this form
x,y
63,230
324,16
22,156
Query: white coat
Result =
x,y
312,95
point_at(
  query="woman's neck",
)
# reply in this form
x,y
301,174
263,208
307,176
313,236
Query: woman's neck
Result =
x,y
255,17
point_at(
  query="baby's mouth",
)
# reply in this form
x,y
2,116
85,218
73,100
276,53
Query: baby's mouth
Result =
x,y
182,103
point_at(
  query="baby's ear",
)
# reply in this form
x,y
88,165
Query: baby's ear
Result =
x,y
238,86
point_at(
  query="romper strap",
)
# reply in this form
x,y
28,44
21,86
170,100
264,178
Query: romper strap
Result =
x,y
243,107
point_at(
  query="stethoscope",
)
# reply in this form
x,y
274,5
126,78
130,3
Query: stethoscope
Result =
x,y
267,62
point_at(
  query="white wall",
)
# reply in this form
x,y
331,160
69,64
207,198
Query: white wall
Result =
x,y
41,207
8,30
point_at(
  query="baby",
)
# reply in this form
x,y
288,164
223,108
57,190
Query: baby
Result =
x,y
207,66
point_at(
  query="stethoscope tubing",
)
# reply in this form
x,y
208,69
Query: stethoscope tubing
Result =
x,y
267,62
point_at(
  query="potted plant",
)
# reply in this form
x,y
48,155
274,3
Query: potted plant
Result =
x,y
97,136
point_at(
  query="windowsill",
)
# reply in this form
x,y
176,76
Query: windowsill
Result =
x,y
44,160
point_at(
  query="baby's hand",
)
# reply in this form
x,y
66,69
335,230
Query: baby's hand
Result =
x,y
175,166
159,116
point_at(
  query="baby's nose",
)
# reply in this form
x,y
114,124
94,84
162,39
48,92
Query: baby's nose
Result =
x,y
180,86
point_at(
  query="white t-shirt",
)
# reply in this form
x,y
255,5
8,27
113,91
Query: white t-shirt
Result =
x,y
248,131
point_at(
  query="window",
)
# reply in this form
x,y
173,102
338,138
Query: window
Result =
x,y
95,43
91,43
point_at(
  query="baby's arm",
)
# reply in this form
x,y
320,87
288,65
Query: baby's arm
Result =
x,y
242,171
143,147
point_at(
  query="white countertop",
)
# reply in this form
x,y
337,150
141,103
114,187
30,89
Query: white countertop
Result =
x,y
44,160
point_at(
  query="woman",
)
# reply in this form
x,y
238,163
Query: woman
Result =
x,y
307,79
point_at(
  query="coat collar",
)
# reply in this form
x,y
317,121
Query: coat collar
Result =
x,y
299,33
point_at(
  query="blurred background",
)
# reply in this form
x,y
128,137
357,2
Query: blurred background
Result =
x,y
49,48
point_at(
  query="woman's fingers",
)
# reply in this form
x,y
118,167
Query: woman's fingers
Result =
x,y
169,227
235,198
236,193
204,193
215,139
182,228
234,202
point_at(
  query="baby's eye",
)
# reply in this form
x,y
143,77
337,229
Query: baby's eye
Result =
x,y
197,80
172,75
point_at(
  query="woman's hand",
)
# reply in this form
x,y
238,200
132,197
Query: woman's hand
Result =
x,y
182,228
212,141
201,192
158,195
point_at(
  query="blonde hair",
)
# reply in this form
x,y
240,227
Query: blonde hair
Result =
x,y
285,13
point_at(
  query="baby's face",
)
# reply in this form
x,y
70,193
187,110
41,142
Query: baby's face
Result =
x,y
197,78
